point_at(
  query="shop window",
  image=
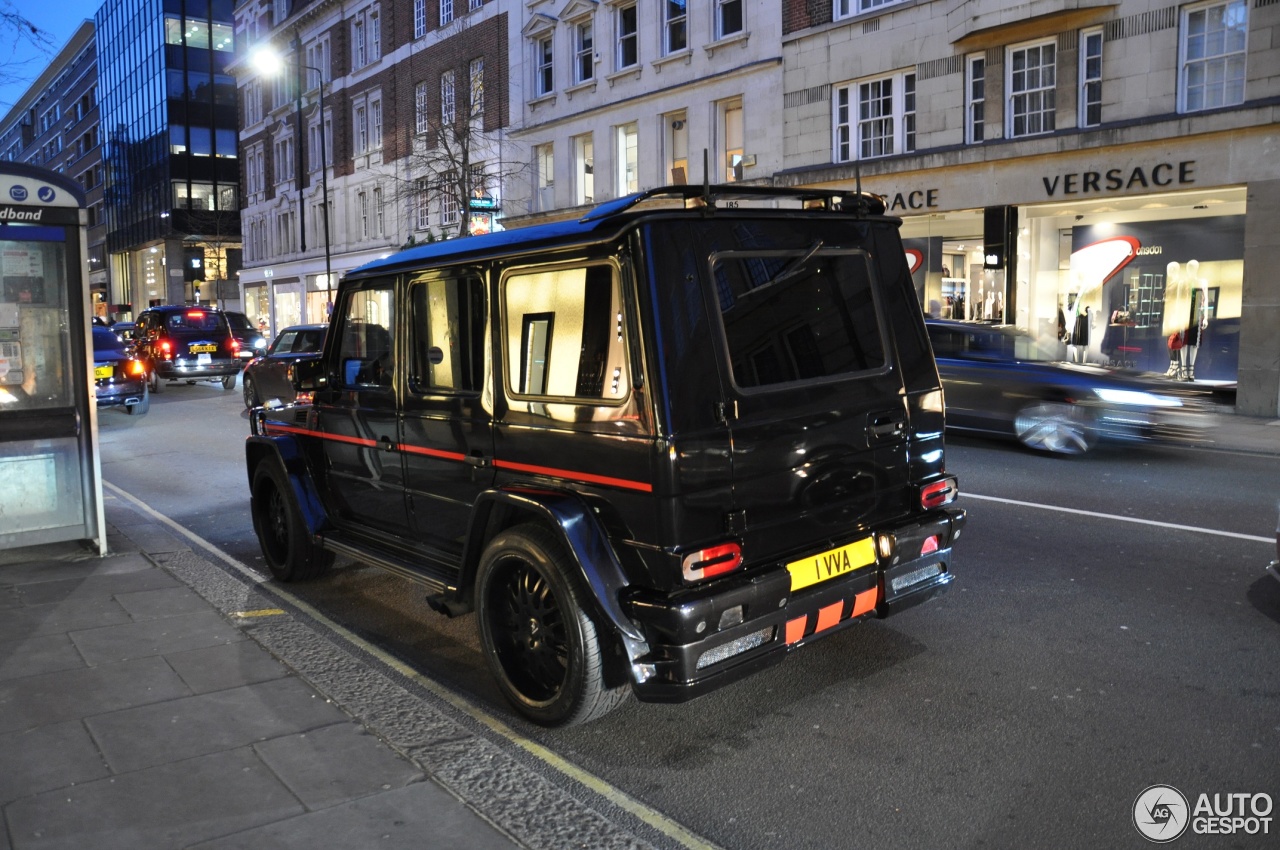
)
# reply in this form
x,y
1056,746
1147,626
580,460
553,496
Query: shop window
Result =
x,y
628,158
1032,81
584,169
544,166
732,129
676,142
1212,55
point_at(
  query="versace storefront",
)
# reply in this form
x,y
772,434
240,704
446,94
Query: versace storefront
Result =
x,y
1156,256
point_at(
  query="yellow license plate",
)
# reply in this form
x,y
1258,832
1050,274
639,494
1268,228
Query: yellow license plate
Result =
x,y
103,371
832,563
199,349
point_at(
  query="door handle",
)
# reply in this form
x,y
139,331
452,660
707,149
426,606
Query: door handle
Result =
x,y
386,444
890,425
477,460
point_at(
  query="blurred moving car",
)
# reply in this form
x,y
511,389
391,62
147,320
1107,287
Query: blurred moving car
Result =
x,y
186,343
252,342
119,379
268,380
995,381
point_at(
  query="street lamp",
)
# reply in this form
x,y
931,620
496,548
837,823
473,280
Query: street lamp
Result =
x,y
270,63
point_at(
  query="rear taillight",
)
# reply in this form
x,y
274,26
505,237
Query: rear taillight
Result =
x,y
235,346
935,494
166,348
712,561
135,367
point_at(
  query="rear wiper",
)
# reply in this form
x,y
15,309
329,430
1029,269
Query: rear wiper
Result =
x,y
795,266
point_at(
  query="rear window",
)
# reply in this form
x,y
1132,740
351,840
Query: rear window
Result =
x,y
798,315
195,320
104,340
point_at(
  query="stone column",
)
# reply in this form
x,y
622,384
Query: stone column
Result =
x,y
1259,372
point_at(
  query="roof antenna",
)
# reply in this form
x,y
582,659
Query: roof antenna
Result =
x,y
706,178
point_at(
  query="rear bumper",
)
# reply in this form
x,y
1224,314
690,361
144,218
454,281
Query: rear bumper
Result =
x,y
115,395
181,369
706,638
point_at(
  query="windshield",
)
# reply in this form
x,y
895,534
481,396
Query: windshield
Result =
x,y
239,322
798,315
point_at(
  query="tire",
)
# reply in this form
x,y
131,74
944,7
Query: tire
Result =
x,y
229,382
250,393
290,552
1055,427
141,407
537,639
157,383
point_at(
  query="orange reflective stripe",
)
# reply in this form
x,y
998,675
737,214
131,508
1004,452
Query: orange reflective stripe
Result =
x,y
829,615
865,601
795,628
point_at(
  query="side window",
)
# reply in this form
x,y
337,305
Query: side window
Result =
x,y
366,352
284,343
563,334
446,334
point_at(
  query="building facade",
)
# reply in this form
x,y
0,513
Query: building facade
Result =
x,y
1103,171
406,106
170,152
55,125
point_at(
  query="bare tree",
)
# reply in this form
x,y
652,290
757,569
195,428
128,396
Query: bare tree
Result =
x,y
457,153
17,34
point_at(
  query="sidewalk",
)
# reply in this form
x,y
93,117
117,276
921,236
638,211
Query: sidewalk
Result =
x,y
142,706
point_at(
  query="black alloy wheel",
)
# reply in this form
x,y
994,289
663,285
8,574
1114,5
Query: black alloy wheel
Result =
x,y
287,546
250,393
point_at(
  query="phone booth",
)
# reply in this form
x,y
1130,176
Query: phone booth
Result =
x,y
50,472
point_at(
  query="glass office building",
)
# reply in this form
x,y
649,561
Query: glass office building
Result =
x,y
169,136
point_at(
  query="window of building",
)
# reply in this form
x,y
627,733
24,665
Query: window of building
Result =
x,y
362,209
448,98
475,4
375,124
545,82
1212,54
446,12
366,37
544,166
675,20
450,210
317,60
253,102
975,100
584,161
628,158
1032,79
49,118
1091,78
420,122
675,131
728,18
360,129
367,123
628,36
584,52
421,204
283,155
419,18
731,134
848,8
875,118
475,73
379,213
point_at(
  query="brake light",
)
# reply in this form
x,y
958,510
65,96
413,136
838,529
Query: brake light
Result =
x,y
235,346
136,367
712,561
166,347
195,314
938,493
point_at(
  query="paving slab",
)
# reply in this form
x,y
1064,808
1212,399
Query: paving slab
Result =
x,y
146,736
176,601
152,537
37,655
423,815
162,808
46,758
328,766
60,617
19,572
36,701
228,665
154,637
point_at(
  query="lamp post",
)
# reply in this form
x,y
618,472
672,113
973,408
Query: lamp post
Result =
x,y
270,63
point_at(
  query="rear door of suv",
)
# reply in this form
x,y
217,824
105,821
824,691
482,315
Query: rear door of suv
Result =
x,y
812,397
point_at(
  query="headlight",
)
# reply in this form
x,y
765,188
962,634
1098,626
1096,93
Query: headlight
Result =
x,y
1136,397
258,342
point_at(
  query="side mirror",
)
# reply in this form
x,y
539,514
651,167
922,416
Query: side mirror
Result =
x,y
309,374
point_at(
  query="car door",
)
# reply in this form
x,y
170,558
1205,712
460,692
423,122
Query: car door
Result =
x,y
356,414
446,427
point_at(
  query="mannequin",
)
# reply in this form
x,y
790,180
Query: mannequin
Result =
x,y
1198,321
1177,309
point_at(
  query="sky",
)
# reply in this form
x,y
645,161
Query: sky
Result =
x,y
59,19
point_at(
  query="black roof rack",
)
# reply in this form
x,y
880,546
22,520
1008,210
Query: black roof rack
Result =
x,y
710,197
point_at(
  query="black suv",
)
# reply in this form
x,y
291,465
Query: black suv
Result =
x,y
654,449
186,344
